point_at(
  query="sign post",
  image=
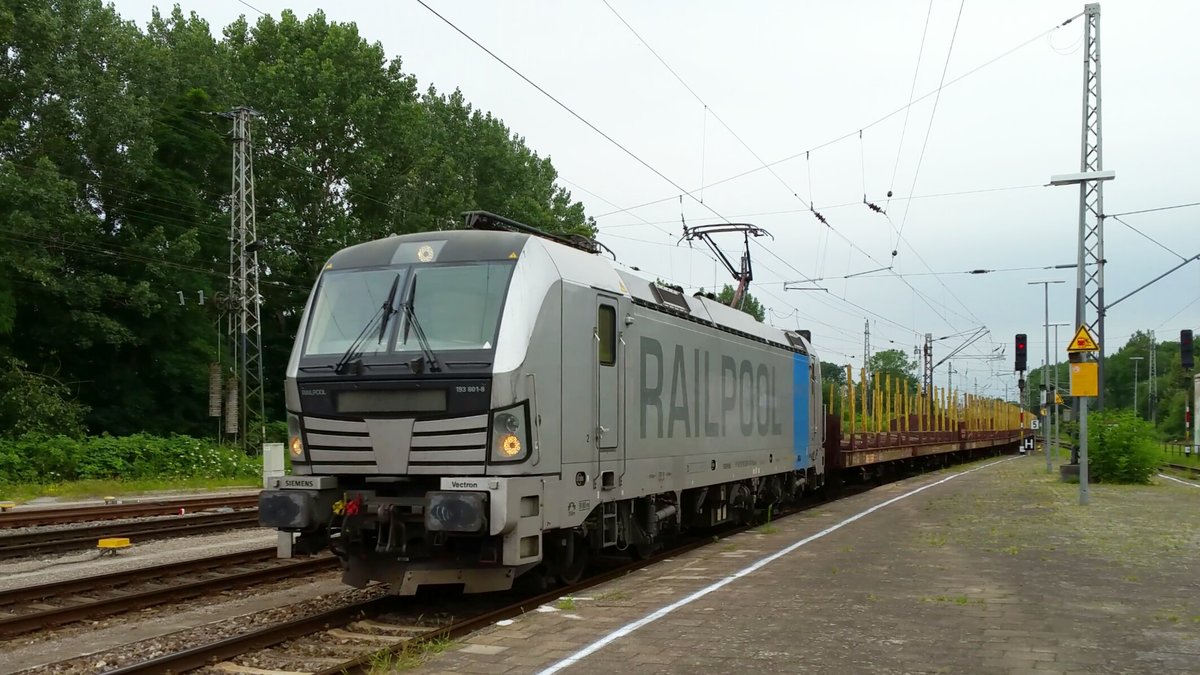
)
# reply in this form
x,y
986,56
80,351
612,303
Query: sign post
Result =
x,y
273,469
1084,384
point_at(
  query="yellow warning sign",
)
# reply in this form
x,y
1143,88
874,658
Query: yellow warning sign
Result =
x,y
1058,398
1083,379
1082,342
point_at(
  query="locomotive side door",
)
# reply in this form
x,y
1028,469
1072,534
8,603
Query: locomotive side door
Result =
x,y
607,356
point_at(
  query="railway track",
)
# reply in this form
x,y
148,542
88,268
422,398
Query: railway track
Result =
x,y
23,610
326,632
387,629
99,512
1189,470
77,538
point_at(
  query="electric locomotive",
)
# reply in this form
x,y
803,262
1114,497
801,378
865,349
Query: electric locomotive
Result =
x,y
469,406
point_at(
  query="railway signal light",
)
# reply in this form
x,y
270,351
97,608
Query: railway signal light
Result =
x,y
1185,348
1020,353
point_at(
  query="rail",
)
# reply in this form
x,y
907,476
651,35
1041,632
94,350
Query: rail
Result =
x,y
77,538
43,606
140,509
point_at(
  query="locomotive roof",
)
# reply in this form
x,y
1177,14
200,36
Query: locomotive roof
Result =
x,y
572,265
448,245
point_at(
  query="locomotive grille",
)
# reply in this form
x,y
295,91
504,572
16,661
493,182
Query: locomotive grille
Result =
x,y
456,445
339,446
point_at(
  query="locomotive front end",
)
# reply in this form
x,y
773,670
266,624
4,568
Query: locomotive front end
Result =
x,y
412,426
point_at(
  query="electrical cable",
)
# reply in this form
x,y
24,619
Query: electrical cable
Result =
x,y
1152,239
912,90
702,102
875,122
1161,208
830,207
565,107
929,128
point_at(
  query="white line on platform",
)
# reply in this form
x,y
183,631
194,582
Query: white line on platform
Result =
x,y
655,616
1185,482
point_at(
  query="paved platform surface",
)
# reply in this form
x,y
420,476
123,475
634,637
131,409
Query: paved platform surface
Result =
x,y
993,571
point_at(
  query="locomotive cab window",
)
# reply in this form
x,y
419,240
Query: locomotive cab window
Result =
x,y
607,332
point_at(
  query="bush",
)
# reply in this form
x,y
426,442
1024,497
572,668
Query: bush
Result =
x,y
35,458
33,403
1121,447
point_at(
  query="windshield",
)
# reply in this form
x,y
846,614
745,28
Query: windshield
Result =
x,y
458,306
346,303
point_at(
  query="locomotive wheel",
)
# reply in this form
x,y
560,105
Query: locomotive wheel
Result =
x,y
571,570
565,564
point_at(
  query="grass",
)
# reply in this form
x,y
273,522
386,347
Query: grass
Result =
x,y
566,604
1175,456
23,492
956,599
1031,513
613,596
408,657
767,527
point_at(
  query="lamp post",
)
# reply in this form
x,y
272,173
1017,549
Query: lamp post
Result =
x,y
1047,401
1054,387
1090,247
1135,360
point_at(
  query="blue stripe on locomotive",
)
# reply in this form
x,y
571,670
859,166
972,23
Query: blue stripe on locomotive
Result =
x,y
800,408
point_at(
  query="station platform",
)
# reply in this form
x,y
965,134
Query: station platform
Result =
x,y
990,567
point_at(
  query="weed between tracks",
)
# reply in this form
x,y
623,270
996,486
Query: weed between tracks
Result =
x,y
409,656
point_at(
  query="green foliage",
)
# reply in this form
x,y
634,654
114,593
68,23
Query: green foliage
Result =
x,y
39,458
1121,447
32,403
750,304
894,362
1121,369
831,372
114,175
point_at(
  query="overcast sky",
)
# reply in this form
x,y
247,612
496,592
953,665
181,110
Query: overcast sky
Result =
x,y
788,77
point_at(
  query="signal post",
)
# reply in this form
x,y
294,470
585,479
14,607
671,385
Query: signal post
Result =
x,y
1084,384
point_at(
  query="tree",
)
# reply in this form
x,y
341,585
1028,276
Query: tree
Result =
x,y
750,304
114,176
831,372
894,362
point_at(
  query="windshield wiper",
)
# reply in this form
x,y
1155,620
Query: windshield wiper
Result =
x,y
426,350
381,316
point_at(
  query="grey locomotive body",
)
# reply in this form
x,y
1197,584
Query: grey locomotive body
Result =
x,y
467,406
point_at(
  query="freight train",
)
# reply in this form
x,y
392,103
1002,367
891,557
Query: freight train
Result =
x,y
470,406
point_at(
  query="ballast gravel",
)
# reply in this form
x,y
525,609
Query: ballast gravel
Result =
x,y
60,567
109,659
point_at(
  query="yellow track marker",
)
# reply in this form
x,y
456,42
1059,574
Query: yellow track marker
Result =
x,y
112,544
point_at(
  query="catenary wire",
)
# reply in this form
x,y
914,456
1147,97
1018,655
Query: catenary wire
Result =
x,y
1148,237
929,128
911,92
565,107
878,121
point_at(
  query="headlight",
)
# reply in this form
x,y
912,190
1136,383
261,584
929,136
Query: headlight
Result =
x,y
509,437
455,511
295,444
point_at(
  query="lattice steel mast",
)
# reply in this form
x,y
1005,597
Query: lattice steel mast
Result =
x,y
1089,299
244,300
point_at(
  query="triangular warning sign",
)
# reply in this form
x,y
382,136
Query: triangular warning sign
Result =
x,y
1082,342
1057,398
